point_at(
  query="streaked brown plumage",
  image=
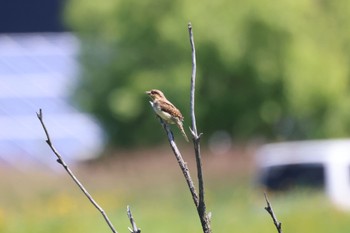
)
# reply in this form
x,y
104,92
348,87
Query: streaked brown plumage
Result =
x,y
166,110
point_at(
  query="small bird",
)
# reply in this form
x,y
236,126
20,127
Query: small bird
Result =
x,y
166,110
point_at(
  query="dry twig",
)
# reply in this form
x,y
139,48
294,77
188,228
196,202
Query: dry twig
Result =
x,y
201,208
134,228
269,209
198,200
65,166
181,162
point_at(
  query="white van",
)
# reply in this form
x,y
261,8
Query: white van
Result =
x,y
322,164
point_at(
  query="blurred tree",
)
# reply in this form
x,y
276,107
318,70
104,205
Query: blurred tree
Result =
x,y
272,69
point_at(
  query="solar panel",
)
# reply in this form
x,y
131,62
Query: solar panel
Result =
x,y
38,71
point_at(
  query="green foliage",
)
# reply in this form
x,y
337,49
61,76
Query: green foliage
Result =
x,y
275,69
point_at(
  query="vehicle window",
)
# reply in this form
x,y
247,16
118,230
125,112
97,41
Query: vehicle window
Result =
x,y
284,177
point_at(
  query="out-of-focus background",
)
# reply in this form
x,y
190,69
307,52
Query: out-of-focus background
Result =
x,y
266,72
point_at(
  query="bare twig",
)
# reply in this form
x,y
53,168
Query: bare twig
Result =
x,y
201,208
65,166
134,228
193,82
269,209
198,200
181,162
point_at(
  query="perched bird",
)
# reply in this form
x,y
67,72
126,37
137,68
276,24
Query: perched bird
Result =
x,y
166,110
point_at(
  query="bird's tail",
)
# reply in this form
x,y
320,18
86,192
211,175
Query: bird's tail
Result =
x,y
180,126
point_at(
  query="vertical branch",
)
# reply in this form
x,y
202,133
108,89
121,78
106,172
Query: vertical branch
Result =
x,y
198,200
201,208
269,209
193,80
70,173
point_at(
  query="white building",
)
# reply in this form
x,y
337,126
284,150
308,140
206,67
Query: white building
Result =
x,y
39,71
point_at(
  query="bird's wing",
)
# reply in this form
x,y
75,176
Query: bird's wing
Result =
x,y
171,109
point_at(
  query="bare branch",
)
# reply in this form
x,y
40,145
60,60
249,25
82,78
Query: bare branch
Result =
x,y
181,162
134,228
65,166
269,209
201,208
193,83
198,200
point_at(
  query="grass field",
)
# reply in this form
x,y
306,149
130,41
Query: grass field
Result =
x,y
152,184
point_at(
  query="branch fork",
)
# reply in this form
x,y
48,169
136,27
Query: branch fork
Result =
x,y
198,199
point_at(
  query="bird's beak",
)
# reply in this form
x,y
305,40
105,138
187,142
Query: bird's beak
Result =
x,y
148,92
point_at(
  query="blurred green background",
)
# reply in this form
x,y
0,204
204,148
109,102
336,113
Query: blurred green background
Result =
x,y
266,69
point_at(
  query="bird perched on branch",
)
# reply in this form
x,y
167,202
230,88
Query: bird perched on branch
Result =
x,y
166,110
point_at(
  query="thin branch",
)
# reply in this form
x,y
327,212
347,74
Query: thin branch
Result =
x,y
269,209
198,200
193,81
65,166
201,208
181,162
134,228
